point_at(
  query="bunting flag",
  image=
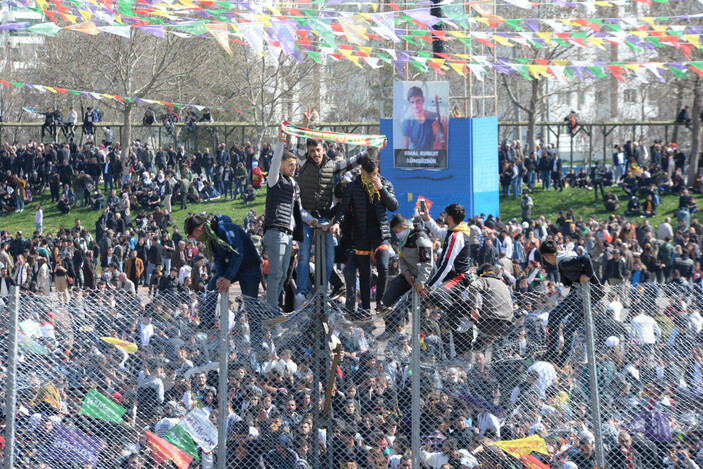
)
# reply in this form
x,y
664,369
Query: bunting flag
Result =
x,y
126,347
378,141
298,30
162,451
100,96
100,407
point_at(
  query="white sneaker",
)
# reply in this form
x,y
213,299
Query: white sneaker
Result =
x,y
299,300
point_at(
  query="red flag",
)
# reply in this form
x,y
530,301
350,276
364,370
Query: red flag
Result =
x,y
163,451
532,462
428,203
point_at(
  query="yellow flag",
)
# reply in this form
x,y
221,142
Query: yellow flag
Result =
x,y
531,444
220,33
128,347
88,27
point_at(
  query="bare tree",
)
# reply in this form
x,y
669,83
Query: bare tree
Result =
x,y
141,66
270,89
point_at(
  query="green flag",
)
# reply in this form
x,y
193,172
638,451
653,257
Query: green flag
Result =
x,y
180,438
100,407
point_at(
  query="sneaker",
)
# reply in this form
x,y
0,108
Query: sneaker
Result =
x,y
383,311
338,292
275,320
360,317
299,301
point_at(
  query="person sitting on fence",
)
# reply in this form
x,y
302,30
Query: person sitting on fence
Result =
x,y
574,269
69,124
89,122
490,306
415,264
48,122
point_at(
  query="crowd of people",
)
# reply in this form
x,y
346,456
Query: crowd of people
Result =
x,y
502,340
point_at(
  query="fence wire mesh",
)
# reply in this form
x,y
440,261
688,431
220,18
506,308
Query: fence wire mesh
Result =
x,y
111,379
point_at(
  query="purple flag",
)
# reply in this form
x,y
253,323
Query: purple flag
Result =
x,y
68,445
655,425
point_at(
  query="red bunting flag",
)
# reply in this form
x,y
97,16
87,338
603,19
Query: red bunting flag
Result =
x,y
163,451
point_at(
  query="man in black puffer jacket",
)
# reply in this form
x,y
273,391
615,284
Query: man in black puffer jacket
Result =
x,y
368,199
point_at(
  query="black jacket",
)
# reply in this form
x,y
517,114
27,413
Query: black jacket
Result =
x,y
354,202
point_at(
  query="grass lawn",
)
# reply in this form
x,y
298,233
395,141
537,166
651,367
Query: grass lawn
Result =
x,y
546,203
53,219
582,201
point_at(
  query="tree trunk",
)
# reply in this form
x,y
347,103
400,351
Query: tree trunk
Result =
x,y
532,115
126,129
696,131
679,105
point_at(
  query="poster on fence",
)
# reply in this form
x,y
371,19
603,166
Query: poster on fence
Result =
x,y
420,124
73,446
199,426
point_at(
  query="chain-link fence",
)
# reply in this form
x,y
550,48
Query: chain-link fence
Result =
x,y
478,373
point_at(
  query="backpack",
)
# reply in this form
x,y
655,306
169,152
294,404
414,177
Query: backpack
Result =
x,y
97,115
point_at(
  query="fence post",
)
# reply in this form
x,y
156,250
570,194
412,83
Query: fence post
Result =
x,y
593,376
320,290
11,392
415,380
223,384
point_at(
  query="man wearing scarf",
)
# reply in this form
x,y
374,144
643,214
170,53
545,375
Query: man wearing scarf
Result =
x,y
415,261
368,199
236,260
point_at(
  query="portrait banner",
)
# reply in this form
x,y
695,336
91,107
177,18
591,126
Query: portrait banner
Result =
x,y
420,124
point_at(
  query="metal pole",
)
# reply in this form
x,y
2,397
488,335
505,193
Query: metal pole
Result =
x,y
316,345
415,380
592,376
223,391
11,392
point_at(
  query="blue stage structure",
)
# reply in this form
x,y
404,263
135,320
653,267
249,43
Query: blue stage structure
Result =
x,y
470,179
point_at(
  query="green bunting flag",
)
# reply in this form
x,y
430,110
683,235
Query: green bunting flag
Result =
x,y
100,407
180,438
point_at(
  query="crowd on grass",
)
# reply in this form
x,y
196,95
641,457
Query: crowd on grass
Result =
x,y
137,277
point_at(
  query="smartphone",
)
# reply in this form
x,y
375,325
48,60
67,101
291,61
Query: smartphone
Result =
x,y
423,206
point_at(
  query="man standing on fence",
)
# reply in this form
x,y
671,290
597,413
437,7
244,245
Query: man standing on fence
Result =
x,y
316,180
574,269
283,221
367,199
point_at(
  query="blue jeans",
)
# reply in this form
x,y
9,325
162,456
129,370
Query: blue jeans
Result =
x,y
546,177
303,273
619,171
228,190
531,179
149,269
108,182
20,202
516,187
279,246
39,227
208,173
